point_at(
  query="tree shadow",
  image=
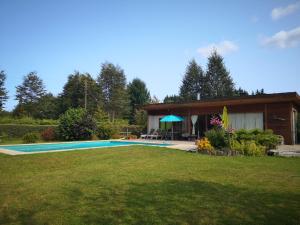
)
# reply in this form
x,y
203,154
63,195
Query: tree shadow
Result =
x,y
196,202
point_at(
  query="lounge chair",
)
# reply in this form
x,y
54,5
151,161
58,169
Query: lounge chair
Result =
x,y
156,134
145,136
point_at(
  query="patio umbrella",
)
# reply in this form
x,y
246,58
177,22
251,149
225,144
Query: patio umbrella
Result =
x,y
171,118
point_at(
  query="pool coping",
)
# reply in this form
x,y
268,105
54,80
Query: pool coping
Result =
x,y
140,142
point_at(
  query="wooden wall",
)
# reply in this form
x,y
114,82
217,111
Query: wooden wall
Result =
x,y
277,116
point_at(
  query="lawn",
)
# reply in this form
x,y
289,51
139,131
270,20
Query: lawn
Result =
x,y
147,185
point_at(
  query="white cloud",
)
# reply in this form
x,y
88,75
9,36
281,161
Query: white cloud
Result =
x,y
222,48
283,39
280,12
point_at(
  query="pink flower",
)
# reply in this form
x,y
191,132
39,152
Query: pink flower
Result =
x,y
215,121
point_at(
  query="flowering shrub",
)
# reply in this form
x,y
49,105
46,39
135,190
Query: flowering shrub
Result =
x,y
216,122
204,145
48,134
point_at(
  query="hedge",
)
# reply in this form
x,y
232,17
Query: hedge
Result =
x,y
19,130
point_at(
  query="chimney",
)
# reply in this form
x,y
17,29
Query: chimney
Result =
x,y
198,96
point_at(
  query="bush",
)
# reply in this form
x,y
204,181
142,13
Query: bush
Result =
x,y
106,131
249,148
48,134
26,120
76,124
217,138
265,138
19,130
30,138
204,145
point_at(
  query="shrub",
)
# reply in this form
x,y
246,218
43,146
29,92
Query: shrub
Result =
x,y
19,130
204,145
30,138
48,134
217,138
116,136
106,131
131,137
265,138
249,148
76,124
26,120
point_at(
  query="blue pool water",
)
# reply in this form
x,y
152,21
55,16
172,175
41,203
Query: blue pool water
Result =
x,y
73,145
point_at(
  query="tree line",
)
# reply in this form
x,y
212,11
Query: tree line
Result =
x,y
110,94
216,82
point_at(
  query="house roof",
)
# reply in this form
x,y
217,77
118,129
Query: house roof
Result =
x,y
240,100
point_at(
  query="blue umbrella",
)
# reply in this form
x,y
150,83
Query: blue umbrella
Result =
x,y
171,118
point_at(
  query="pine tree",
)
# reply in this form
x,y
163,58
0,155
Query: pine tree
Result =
x,y
3,91
28,95
138,96
31,90
218,82
192,83
112,83
172,99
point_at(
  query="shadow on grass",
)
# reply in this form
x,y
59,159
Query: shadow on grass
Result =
x,y
170,202
195,202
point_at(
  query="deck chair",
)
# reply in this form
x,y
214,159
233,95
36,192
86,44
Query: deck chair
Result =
x,y
145,136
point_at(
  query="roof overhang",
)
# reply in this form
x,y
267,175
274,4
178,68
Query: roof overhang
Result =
x,y
292,97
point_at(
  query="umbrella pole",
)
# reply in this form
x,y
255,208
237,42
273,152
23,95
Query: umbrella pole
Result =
x,y
172,132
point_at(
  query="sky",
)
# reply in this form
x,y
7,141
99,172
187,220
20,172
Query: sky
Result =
x,y
152,40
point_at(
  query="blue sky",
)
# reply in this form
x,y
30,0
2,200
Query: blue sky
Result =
x,y
152,40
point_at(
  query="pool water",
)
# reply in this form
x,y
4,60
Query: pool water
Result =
x,y
73,145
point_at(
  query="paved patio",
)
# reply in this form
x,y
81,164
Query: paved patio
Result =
x,y
287,150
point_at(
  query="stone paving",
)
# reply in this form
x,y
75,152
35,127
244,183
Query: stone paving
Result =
x,y
287,150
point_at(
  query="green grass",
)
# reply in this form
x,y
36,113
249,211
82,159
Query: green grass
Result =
x,y
147,185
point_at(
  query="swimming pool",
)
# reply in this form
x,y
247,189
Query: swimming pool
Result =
x,y
73,145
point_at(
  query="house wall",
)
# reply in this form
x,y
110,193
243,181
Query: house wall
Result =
x,y
277,116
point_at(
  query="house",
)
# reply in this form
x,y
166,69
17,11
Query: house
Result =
x,y
267,111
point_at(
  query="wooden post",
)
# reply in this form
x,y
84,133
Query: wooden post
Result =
x,y
206,122
266,116
189,122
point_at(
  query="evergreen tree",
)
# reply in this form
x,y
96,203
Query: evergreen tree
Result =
x,y
240,92
47,107
172,99
3,91
138,96
154,100
218,82
31,90
192,83
112,83
28,95
73,95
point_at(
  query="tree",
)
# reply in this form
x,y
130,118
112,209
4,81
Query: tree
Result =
x,y
138,96
28,94
259,92
141,118
172,99
3,91
218,82
31,90
193,82
154,100
240,92
74,91
112,83
47,107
